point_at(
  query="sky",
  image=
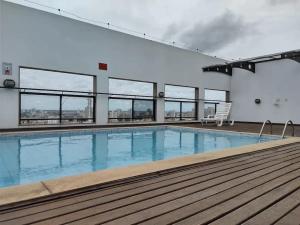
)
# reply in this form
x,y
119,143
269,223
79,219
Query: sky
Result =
x,y
230,29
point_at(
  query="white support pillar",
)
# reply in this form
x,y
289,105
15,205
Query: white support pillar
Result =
x,y
201,103
160,104
102,84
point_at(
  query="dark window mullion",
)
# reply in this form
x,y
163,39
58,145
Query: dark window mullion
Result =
x,y
132,110
180,111
60,109
94,109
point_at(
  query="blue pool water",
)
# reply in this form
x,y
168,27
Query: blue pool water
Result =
x,y
35,157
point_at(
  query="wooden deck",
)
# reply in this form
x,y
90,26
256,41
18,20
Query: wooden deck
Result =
x,y
248,127
261,188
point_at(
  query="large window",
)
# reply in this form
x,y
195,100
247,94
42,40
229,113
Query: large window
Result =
x,y
131,101
180,103
212,100
51,97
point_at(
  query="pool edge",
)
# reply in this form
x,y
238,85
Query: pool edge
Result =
x,y
46,188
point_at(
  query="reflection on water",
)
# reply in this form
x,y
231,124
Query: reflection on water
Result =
x,y
34,158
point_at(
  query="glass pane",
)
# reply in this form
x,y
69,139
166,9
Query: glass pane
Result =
x,y
126,87
40,79
120,110
188,110
215,95
209,109
77,109
180,92
42,109
172,110
143,110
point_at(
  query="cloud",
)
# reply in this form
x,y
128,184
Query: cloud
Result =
x,y
279,2
214,35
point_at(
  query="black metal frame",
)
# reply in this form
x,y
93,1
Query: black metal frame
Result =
x,y
133,117
60,117
181,118
250,64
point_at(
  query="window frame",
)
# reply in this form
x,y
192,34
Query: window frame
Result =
x,y
183,118
60,94
132,98
133,118
181,101
60,117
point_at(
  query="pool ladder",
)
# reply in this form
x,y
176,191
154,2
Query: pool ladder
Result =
x,y
289,122
263,127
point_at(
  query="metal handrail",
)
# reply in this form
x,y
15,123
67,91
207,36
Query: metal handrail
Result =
x,y
263,126
289,122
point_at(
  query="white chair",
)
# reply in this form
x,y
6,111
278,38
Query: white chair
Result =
x,y
222,114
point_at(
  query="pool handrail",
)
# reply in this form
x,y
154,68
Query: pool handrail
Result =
x,y
289,122
263,126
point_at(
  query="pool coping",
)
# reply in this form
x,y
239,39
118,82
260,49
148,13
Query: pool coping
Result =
x,y
121,129
49,187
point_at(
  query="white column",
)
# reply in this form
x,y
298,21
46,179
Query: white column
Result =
x,y
160,104
201,103
102,100
9,99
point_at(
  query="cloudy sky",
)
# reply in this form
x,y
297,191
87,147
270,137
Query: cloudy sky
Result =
x,y
225,28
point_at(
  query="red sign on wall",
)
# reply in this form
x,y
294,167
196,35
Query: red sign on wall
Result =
x,y
103,66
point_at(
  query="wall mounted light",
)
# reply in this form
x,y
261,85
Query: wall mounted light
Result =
x,y
257,101
8,83
161,94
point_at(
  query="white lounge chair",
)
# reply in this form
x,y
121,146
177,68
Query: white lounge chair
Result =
x,y
222,114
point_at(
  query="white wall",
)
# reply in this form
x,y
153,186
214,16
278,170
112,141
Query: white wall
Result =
x,y
272,80
38,39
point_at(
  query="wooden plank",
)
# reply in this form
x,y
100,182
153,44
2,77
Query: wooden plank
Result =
x,y
292,218
222,209
268,216
60,211
278,210
199,206
180,199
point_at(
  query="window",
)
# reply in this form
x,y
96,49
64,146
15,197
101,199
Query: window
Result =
x,y
76,109
131,101
212,99
180,103
51,97
129,88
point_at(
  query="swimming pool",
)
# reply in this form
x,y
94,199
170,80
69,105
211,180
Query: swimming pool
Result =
x,y
29,158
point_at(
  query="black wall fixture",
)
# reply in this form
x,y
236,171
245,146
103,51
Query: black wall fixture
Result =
x,y
245,65
161,94
250,64
291,55
226,69
8,83
257,101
